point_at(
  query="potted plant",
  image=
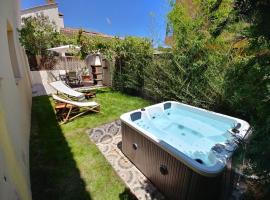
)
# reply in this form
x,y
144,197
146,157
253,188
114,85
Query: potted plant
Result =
x,y
85,75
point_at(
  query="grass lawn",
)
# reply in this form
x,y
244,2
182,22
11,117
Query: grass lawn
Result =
x,y
64,163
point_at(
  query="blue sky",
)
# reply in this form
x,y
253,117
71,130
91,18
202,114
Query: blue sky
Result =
x,y
145,18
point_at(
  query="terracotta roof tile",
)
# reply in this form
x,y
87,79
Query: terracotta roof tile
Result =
x,y
72,31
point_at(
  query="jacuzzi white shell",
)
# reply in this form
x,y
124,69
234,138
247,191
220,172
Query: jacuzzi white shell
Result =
x,y
244,132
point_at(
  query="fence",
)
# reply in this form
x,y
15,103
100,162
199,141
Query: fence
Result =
x,y
70,63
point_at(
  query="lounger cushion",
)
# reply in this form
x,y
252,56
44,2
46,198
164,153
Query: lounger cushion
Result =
x,y
63,88
76,103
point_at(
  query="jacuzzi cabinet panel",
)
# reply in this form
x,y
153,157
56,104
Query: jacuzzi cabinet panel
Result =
x,y
173,178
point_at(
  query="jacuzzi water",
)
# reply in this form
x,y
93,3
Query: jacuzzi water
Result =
x,y
201,135
191,133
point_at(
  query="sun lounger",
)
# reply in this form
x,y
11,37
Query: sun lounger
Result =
x,y
61,87
68,110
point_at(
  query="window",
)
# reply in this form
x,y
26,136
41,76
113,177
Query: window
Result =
x,y
12,52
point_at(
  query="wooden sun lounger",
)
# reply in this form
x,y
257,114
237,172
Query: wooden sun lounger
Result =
x,y
66,108
62,88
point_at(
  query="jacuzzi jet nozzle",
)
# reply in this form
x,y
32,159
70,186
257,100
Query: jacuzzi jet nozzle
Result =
x,y
235,129
199,160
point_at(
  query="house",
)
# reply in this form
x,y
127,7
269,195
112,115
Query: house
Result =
x,y
50,9
15,107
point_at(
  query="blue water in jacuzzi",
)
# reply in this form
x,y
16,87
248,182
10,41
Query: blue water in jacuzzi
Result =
x,y
193,133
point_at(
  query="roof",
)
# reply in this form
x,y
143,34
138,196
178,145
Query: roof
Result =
x,y
72,31
38,8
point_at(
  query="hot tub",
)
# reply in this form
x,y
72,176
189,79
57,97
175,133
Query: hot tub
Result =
x,y
184,150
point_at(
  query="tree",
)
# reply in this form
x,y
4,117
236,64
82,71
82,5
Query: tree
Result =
x,y
38,34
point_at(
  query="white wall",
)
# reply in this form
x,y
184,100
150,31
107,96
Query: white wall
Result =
x,y
61,22
41,80
15,108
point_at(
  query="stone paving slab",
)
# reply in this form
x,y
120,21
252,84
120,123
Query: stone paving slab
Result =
x,y
108,139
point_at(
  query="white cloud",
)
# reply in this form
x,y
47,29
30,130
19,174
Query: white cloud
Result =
x,y
108,20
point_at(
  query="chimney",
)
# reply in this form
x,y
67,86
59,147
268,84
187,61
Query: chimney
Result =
x,y
50,1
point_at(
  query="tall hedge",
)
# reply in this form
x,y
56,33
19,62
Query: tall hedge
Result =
x,y
194,71
132,57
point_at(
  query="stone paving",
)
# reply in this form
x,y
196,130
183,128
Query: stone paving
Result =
x,y
108,139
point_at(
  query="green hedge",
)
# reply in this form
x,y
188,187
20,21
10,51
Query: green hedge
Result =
x,y
132,57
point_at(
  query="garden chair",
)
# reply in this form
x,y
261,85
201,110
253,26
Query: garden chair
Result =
x,y
63,76
67,110
73,78
67,91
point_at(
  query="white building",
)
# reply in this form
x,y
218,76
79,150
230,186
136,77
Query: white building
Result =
x,y
50,9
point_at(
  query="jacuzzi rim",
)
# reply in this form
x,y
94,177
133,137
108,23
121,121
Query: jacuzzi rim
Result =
x,y
209,171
